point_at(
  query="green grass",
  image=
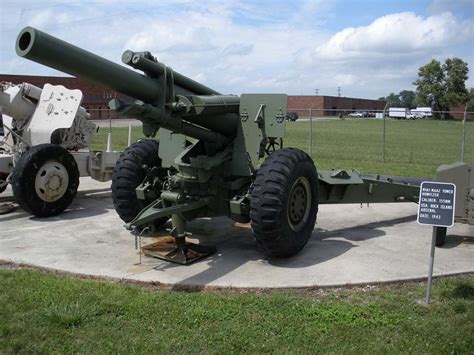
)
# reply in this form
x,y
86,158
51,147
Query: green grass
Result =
x,y
44,313
413,148
119,138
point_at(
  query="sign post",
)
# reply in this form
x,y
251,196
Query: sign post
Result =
x,y
436,208
430,271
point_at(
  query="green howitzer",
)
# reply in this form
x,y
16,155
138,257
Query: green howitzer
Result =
x,y
218,155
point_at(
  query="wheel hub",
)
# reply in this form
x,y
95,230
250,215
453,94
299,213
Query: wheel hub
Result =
x,y
299,204
51,181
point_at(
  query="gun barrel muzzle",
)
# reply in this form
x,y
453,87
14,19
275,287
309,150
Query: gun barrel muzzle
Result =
x,y
42,48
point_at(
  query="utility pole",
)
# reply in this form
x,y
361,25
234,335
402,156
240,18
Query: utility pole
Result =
x,y
316,91
339,91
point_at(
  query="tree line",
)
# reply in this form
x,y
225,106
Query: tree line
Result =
x,y
438,86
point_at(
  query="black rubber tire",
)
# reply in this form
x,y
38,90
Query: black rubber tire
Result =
x,y
128,174
269,212
24,174
3,177
440,236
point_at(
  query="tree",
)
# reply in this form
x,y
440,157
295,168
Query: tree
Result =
x,y
455,83
393,100
440,86
407,98
429,86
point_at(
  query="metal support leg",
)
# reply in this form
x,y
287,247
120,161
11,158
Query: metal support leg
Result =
x,y
178,250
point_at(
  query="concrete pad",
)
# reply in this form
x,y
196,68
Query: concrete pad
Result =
x,y
350,245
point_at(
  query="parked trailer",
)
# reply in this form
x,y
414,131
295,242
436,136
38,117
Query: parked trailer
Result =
x,y
397,112
42,133
400,113
422,112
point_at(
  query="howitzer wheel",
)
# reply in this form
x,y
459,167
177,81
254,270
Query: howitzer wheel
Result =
x,y
284,202
45,180
129,172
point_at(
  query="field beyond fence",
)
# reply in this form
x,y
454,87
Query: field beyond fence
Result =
x,y
412,148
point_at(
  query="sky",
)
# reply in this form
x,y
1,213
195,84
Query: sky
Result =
x,y
367,48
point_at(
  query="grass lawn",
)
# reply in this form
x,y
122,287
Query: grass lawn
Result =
x,y
44,313
413,148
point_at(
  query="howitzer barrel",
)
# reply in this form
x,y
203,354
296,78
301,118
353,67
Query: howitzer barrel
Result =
x,y
217,113
55,53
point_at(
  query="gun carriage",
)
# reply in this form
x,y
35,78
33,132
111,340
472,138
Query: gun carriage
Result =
x,y
217,155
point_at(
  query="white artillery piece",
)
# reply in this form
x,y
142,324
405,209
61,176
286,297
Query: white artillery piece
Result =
x,y
43,134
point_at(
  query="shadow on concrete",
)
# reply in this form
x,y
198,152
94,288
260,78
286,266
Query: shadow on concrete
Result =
x,y
75,213
70,214
453,240
7,199
238,248
366,231
321,247
95,193
91,193
315,252
14,215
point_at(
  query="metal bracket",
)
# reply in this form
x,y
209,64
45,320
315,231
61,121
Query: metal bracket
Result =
x,y
258,118
279,116
340,174
244,115
155,211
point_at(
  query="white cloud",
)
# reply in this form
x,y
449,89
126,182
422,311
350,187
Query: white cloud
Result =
x,y
237,49
400,33
385,55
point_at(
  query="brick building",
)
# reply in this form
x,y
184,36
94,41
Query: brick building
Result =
x,y
96,98
331,105
457,111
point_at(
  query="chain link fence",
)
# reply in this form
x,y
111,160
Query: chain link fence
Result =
x,y
380,141
378,138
